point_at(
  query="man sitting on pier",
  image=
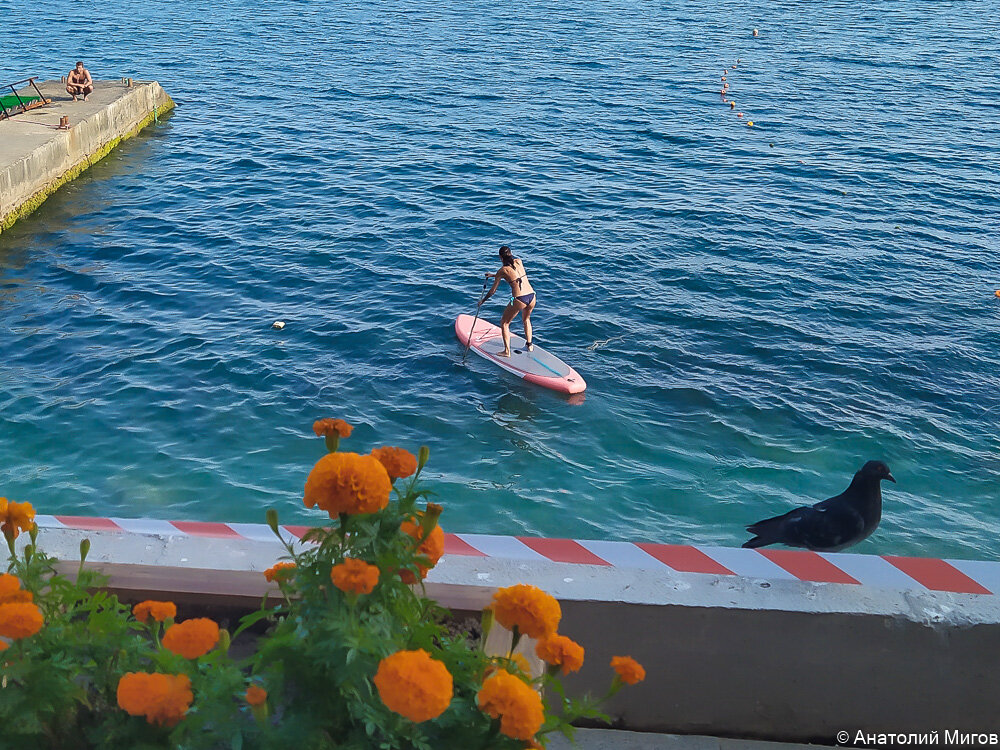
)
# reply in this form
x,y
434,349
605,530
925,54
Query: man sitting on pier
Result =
x,y
79,82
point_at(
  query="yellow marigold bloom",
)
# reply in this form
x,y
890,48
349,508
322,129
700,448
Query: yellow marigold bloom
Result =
x,y
514,702
354,576
432,548
398,462
348,483
325,427
560,651
162,698
256,695
414,685
628,669
192,638
279,572
15,517
20,620
159,611
527,608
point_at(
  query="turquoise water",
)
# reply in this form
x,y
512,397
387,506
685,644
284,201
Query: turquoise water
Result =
x,y
756,310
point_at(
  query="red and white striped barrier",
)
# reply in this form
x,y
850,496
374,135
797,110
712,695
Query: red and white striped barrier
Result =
x,y
883,571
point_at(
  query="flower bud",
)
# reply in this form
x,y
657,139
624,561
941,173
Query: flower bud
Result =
x,y
84,550
224,640
272,520
422,455
430,519
33,532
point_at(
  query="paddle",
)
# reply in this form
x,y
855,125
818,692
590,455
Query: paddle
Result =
x,y
479,305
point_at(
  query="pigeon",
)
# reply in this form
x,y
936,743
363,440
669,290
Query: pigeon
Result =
x,y
833,524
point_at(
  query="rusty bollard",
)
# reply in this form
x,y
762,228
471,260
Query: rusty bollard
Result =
x,y
64,122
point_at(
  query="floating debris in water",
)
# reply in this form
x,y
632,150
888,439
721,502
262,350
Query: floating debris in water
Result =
x,y
278,324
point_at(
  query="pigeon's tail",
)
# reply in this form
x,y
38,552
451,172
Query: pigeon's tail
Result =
x,y
769,531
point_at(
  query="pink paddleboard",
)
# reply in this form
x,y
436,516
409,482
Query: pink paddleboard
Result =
x,y
537,366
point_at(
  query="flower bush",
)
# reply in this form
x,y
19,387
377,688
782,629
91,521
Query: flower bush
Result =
x,y
353,654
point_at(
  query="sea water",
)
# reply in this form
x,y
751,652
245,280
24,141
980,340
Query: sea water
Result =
x,y
756,310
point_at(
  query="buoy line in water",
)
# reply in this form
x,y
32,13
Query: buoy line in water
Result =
x,y
725,91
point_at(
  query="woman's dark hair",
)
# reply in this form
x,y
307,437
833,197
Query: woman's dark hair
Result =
x,y
506,256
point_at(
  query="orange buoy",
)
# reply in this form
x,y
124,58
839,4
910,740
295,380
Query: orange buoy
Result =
x,y
750,124
997,292
732,105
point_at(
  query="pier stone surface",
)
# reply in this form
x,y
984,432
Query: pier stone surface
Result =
x,y
36,157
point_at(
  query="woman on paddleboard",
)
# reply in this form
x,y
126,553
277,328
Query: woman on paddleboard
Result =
x,y
522,299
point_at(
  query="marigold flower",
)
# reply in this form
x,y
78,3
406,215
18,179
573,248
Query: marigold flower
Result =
x,y
159,611
527,608
432,548
628,669
514,702
348,483
10,590
20,620
279,572
326,427
162,698
354,576
4,645
256,695
560,651
15,517
414,685
398,462
192,638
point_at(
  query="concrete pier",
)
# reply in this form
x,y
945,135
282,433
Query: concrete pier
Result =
x,y
36,156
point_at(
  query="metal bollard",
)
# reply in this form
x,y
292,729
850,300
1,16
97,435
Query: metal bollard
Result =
x,y
64,122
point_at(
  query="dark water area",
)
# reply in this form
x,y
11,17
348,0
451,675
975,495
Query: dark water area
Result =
x,y
756,310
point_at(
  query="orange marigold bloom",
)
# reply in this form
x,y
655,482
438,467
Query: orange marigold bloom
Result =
x,y
8,585
348,483
15,517
162,698
325,427
279,572
354,576
398,462
432,548
414,685
4,645
527,608
159,611
192,638
514,702
560,651
10,590
629,670
20,619
256,695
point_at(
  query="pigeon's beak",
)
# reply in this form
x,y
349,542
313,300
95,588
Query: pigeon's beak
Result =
x,y
890,477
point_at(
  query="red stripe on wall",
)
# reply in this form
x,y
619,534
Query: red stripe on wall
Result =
x,y
297,531
563,550
684,559
91,523
455,545
807,566
204,528
937,575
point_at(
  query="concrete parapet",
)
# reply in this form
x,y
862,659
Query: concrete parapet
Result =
x,y
726,655
36,156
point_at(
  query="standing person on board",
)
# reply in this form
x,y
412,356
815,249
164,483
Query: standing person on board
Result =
x,y
522,299
79,82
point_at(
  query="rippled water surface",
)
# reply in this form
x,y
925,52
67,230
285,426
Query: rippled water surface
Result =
x,y
756,310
